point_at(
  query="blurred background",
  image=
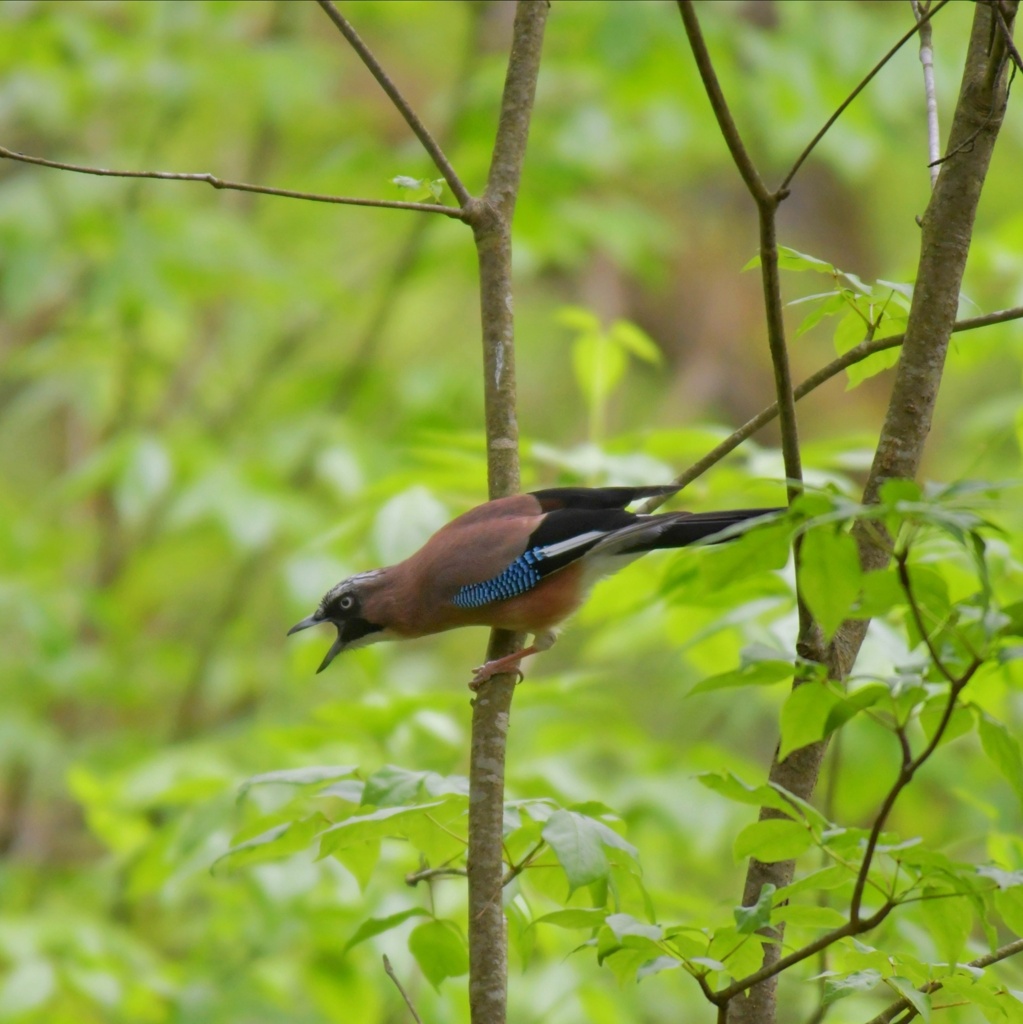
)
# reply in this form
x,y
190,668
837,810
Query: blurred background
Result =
x,y
215,405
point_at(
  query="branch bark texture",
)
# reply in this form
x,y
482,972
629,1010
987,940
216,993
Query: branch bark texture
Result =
x,y
490,218
947,229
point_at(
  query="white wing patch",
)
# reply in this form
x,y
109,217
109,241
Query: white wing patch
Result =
x,y
562,546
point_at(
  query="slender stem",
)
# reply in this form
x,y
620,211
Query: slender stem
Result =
x,y
994,957
910,765
740,155
811,145
927,60
411,118
401,988
855,355
234,186
428,874
491,223
1007,34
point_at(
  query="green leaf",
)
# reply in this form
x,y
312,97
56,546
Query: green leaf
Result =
x,y
392,786
635,341
804,716
836,988
917,999
574,917
802,916
1003,750
829,576
579,319
849,332
853,703
751,919
275,843
733,788
579,847
657,965
378,925
624,925
360,859
772,840
440,950
881,592
949,921
1009,903
389,821
834,303
757,673
297,777
599,366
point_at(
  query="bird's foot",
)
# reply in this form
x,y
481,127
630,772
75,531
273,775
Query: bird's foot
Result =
x,y
484,673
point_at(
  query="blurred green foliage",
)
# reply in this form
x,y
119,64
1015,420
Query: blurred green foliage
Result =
x,y
214,405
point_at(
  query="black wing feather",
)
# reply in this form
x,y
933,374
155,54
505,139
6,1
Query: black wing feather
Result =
x,y
553,498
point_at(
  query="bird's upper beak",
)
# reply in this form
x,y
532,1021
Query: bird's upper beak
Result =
x,y
335,648
309,620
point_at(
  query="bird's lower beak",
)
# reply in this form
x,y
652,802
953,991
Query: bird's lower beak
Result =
x,y
309,620
335,649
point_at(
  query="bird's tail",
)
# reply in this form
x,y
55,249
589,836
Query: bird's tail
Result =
x,y
675,530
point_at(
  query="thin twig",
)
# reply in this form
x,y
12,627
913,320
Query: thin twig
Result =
x,y
894,1009
429,143
235,186
428,874
401,988
800,160
1007,35
910,765
855,355
740,155
927,60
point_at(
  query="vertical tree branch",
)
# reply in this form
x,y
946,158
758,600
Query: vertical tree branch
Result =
x,y
947,230
927,60
799,772
490,218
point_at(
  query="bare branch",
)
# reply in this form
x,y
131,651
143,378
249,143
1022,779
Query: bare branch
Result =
x,y
413,878
1006,31
743,161
491,223
235,186
401,988
411,118
801,159
927,60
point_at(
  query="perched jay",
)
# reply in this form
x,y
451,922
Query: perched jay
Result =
x,y
523,563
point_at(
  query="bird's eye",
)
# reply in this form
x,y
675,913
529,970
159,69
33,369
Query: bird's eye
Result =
x,y
346,602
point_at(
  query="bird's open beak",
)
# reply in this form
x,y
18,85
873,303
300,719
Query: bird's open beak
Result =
x,y
335,648
309,620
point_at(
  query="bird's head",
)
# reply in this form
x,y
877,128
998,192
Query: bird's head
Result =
x,y
344,606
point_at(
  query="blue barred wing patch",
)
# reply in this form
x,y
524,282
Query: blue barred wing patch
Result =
x,y
520,576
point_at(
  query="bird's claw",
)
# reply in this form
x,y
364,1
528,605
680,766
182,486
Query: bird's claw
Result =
x,y
484,673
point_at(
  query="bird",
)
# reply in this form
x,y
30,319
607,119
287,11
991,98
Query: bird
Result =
x,y
523,563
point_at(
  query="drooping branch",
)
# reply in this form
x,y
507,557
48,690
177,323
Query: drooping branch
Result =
x,y
235,186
